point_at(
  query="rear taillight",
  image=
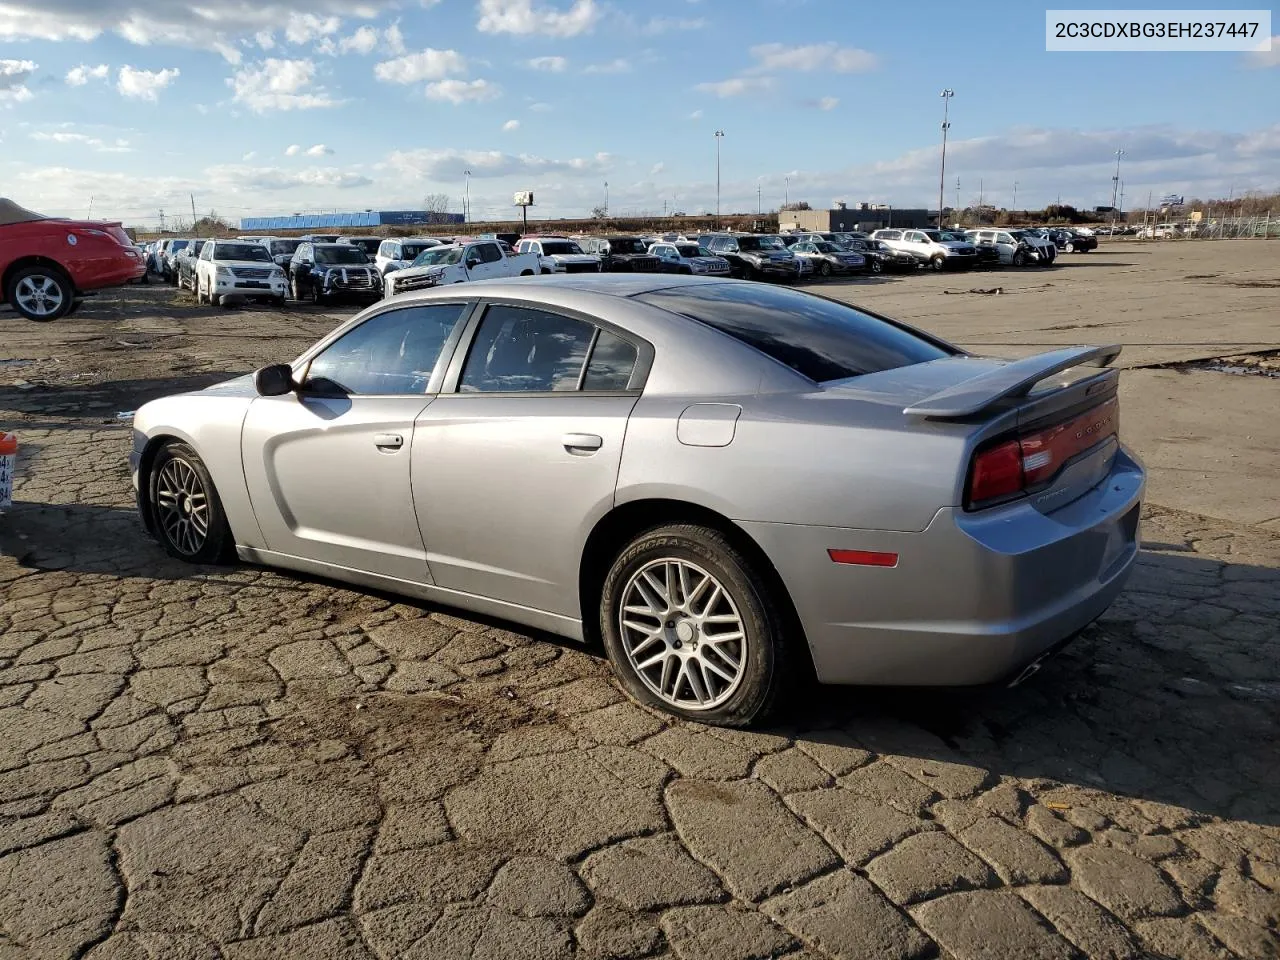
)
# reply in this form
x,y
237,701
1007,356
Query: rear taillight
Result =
x,y
1007,469
996,473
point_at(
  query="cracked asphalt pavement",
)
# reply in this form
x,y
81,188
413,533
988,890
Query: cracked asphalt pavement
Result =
x,y
230,762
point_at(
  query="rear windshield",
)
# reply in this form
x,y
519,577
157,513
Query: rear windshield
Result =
x,y
626,245
560,247
240,251
411,250
279,247
818,338
368,244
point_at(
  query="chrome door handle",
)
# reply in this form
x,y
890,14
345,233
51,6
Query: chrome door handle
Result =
x,y
388,441
582,441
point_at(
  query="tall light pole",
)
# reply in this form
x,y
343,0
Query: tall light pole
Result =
x,y
606,198
1115,185
946,95
1015,196
957,209
466,203
786,191
759,200
719,137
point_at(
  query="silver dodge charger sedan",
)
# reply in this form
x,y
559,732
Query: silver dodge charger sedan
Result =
x,y
720,479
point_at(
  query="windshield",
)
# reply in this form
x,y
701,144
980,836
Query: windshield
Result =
x,y
284,247
818,338
241,251
826,247
952,235
627,245
554,247
438,255
771,243
177,245
340,254
195,246
411,250
692,250
933,235
368,244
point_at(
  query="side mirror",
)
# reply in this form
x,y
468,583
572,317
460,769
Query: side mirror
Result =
x,y
273,381
473,262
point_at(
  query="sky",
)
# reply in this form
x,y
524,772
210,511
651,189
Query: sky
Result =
x,y
124,108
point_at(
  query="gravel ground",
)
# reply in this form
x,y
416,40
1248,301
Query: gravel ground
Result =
x,y
233,762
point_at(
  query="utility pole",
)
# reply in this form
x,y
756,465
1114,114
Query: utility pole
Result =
x,y
786,191
759,202
957,209
162,221
193,211
90,214
946,95
606,198
1115,186
1015,196
719,137
982,191
466,199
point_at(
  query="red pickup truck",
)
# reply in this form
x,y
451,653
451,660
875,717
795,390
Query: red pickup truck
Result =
x,y
47,264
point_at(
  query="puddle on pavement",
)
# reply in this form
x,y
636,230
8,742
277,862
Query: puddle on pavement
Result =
x,y
1240,365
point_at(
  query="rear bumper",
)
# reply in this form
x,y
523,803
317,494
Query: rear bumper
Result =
x,y
974,597
99,272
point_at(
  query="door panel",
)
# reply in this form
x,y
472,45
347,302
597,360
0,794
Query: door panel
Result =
x,y
508,487
329,480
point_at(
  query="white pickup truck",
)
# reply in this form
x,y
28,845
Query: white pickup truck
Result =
x,y
458,263
939,249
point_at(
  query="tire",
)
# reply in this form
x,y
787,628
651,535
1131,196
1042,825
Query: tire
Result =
x,y
545,272
938,262
1019,258
526,273
1069,248
825,269
293,289
181,498
40,293
735,697
875,266
280,301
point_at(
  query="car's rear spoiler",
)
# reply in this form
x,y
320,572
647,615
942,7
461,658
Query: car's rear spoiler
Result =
x,y
973,396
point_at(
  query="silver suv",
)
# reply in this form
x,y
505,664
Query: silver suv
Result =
x,y
938,248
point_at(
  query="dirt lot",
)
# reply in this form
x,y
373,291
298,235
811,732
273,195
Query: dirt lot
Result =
x,y
233,762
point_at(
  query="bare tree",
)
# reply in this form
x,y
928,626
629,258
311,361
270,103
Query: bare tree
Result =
x,y
436,203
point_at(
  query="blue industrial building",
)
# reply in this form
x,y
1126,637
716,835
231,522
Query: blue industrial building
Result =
x,y
367,218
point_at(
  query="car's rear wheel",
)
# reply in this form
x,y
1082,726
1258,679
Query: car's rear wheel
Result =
x,y
41,293
691,627
825,269
875,266
1019,258
186,514
1070,248
938,262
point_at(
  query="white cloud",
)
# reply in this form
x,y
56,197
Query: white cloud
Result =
x,y
1266,58
460,91
279,85
427,64
293,149
204,26
319,150
82,139
364,41
305,27
525,17
736,86
273,178
613,66
264,39
656,169
660,25
511,125
696,115
144,84
549,64
828,103
539,108
393,40
13,80
450,164
818,56
79,76
251,155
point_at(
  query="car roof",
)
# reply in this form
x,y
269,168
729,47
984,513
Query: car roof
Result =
x,y
605,284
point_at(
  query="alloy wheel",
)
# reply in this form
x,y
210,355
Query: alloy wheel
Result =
x,y
39,295
182,506
683,634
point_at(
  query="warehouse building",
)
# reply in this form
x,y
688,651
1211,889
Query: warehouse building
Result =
x,y
341,221
865,217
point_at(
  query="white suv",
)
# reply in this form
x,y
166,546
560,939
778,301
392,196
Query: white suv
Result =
x,y
238,268
400,252
939,248
560,255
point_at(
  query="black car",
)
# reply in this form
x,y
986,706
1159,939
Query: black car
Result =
x,y
281,250
184,265
755,257
327,271
881,258
621,254
1069,241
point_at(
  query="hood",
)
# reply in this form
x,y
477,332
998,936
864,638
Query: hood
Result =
x,y
247,264
955,244
239,387
576,257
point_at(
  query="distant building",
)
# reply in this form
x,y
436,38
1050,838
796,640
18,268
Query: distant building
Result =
x,y
865,217
366,219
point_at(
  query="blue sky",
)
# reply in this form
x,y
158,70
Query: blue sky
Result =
x,y
263,106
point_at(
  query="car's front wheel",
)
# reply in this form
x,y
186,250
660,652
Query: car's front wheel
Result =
x,y
41,293
691,627
186,514
825,269
938,262
1070,248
